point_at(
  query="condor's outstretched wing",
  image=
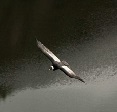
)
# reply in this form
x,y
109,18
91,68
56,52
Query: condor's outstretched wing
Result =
x,y
47,52
70,73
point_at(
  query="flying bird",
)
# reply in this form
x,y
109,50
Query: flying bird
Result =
x,y
57,63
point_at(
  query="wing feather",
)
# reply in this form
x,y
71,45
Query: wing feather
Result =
x,y
47,52
70,73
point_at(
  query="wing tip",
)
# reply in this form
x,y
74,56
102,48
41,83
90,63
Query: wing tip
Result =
x,y
38,43
80,79
37,40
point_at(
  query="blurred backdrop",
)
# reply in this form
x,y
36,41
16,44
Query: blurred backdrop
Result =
x,y
82,32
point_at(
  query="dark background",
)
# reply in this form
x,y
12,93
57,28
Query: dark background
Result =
x,y
83,32
52,22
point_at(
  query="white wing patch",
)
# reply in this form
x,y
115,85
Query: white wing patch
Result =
x,y
53,56
68,70
47,52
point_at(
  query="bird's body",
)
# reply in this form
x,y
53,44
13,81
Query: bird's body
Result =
x,y
57,63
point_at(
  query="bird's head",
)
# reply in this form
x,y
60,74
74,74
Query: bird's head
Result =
x,y
51,68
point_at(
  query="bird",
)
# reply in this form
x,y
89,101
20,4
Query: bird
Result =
x,y
57,63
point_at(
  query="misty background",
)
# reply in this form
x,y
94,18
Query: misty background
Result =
x,y
84,33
